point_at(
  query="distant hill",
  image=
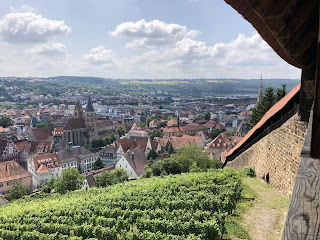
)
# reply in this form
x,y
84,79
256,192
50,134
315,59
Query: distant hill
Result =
x,y
193,87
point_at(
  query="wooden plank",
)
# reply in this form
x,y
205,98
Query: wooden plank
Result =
x,y
303,218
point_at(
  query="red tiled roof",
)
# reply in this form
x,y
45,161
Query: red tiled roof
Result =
x,y
272,111
49,160
41,133
23,146
12,170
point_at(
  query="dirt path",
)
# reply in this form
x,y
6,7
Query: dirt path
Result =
x,y
265,219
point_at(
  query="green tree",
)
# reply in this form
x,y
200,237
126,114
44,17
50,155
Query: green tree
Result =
x,y
6,121
140,124
120,131
98,164
113,138
207,116
147,173
262,107
215,132
49,186
17,191
171,165
47,123
169,148
90,148
161,124
281,92
70,180
107,178
154,133
189,154
152,154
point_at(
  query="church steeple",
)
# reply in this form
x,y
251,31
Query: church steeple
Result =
x,y
90,116
78,112
89,107
260,93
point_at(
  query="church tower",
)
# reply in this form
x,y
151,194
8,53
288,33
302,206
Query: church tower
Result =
x,y
78,111
260,93
90,116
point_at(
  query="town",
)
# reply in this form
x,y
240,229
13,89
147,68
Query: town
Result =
x,y
40,142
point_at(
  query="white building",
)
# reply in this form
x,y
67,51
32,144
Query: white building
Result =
x,y
133,162
43,167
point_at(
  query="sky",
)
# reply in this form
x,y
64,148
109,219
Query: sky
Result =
x,y
133,39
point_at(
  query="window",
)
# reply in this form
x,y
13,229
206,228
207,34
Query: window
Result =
x,y
9,183
1,185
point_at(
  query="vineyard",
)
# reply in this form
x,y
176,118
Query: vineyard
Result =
x,y
186,206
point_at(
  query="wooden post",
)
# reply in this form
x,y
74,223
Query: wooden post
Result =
x,y
315,137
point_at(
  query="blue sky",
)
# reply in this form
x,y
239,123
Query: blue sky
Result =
x,y
133,39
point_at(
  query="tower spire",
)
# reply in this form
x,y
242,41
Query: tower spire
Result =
x,y
89,107
260,91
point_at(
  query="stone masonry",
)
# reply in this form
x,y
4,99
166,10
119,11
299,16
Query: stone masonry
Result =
x,y
276,156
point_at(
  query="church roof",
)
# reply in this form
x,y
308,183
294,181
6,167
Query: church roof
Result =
x,y
89,107
75,123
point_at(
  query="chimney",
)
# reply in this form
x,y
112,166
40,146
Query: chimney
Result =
x,y
132,155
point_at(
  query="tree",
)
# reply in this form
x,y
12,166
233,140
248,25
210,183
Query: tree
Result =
x,y
70,180
152,154
6,121
98,164
140,124
169,148
215,132
17,191
113,138
161,124
120,131
108,178
154,133
281,92
207,116
262,107
49,186
87,146
171,165
47,123
189,154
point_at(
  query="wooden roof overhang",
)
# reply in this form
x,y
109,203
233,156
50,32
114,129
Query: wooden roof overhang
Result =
x,y
290,27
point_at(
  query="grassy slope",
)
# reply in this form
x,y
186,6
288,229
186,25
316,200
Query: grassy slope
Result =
x,y
262,218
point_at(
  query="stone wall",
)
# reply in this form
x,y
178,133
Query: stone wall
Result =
x,y
276,156
306,92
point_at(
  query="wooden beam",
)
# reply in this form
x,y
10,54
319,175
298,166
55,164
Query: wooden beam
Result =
x,y
315,137
305,11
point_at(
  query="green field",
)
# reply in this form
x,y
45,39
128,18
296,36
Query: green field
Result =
x,y
186,206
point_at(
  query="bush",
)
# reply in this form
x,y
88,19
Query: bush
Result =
x,y
248,172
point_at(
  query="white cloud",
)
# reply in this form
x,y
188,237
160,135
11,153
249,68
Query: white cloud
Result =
x,y
2,59
99,55
154,33
49,49
244,57
27,27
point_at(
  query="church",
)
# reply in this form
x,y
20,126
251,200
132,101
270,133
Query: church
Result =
x,y
83,127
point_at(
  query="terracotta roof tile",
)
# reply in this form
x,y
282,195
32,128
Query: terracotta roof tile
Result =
x,y
12,170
